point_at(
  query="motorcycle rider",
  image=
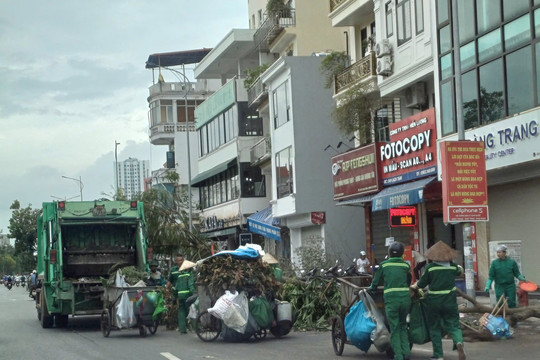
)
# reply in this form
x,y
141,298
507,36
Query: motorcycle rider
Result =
x,y
32,283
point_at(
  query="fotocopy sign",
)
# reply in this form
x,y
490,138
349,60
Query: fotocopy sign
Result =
x,y
411,152
464,184
356,173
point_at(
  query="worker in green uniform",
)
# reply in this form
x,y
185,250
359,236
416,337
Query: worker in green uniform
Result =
x,y
182,279
503,270
396,274
441,302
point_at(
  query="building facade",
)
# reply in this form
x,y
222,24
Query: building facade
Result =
x,y
130,175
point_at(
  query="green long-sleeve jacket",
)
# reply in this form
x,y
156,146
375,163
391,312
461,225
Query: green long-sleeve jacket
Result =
x,y
396,274
441,279
504,271
183,282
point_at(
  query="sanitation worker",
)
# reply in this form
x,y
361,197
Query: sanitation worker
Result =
x,y
503,270
396,274
154,277
182,279
441,303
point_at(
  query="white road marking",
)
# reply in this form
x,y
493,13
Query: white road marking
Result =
x,y
169,356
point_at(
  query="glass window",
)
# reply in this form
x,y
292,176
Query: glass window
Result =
x,y
470,99
489,45
517,33
466,20
488,14
442,11
281,105
389,21
445,39
512,8
447,108
446,66
284,172
419,13
467,55
537,22
518,81
491,92
403,16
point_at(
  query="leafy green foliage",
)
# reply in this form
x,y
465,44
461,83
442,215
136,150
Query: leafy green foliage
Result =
x,y
253,75
314,302
8,264
333,64
23,228
312,255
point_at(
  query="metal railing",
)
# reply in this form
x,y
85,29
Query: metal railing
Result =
x,y
360,70
334,4
260,151
256,92
169,128
272,27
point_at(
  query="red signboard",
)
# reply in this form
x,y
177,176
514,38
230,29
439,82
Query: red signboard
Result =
x,y
464,183
318,217
403,216
412,150
356,172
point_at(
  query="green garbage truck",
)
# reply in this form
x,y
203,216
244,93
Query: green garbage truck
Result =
x,y
78,244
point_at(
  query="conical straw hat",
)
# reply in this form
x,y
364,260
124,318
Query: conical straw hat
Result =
x,y
441,252
269,259
187,265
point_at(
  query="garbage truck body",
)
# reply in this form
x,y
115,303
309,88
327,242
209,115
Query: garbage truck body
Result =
x,y
78,244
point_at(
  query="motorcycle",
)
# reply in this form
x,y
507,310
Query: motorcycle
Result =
x,y
9,285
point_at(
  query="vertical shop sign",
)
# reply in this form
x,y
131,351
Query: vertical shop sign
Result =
x,y
464,183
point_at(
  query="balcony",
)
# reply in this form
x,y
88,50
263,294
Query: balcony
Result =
x,y
163,133
161,88
357,13
257,93
360,71
272,27
334,4
261,151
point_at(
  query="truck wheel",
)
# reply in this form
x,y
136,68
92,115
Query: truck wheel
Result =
x,y
47,320
61,320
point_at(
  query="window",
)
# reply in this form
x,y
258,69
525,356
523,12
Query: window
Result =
x,y
489,45
491,92
446,66
419,16
465,9
442,11
284,172
470,99
403,15
166,111
281,105
220,188
488,14
447,108
519,88
249,122
511,8
467,55
445,39
517,33
389,21
252,181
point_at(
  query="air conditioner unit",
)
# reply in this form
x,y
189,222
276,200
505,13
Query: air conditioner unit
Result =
x,y
415,96
383,48
384,65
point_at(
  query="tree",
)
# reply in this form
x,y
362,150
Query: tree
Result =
x,y
23,228
333,64
167,224
7,262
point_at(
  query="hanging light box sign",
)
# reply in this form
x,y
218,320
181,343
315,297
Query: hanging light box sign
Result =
x,y
403,216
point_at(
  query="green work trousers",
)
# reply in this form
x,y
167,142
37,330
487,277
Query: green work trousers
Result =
x,y
509,290
182,315
396,307
442,314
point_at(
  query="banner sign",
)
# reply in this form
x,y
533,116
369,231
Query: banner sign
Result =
x,y
356,172
464,182
412,150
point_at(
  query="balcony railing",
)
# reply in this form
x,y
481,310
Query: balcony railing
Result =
x,y
166,87
261,151
272,27
360,70
169,128
334,4
257,93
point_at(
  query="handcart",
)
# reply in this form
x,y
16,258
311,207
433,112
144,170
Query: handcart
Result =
x,y
350,288
143,309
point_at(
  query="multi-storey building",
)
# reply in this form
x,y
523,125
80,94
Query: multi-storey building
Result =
x,y
262,162
130,175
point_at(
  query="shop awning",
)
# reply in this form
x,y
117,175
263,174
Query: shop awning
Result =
x,y
213,171
264,224
361,201
400,195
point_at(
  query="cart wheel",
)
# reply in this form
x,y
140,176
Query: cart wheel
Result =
x,y
259,335
142,330
153,328
338,335
105,323
207,327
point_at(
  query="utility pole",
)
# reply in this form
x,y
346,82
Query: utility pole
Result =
x,y
116,165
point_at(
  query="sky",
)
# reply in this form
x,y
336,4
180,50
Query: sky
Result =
x,y
73,82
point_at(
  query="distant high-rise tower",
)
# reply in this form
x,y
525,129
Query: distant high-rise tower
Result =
x,y
130,174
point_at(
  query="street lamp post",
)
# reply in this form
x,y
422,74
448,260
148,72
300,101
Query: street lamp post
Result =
x,y
79,181
188,149
116,165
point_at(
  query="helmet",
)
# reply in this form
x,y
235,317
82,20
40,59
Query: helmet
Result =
x,y
33,271
154,263
396,249
362,253
501,248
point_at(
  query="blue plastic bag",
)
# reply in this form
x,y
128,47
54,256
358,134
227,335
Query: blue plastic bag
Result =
x,y
358,326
